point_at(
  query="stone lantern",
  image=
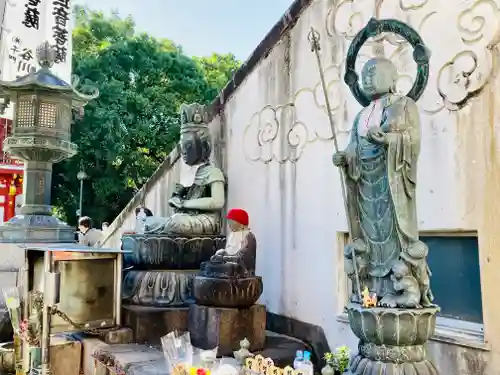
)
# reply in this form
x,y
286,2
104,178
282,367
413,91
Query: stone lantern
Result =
x,y
41,136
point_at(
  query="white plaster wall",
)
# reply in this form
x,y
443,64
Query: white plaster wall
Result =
x,y
293,194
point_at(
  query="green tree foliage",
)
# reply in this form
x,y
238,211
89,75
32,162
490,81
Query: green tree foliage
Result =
x,y
127,132
218,70
95,31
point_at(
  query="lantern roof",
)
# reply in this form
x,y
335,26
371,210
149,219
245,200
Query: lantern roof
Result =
x,y
44,80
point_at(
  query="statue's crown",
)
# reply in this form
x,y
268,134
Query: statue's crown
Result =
x,y
193,117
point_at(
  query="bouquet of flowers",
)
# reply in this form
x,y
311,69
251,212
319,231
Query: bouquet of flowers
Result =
x,y
13,303
31,328
183,359
178,350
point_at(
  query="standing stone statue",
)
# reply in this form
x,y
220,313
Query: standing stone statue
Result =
x,y
386,255
200,195
380,165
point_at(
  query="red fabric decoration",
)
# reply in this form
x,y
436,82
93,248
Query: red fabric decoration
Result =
x,y
239,215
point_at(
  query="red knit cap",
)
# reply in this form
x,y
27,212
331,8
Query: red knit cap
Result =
x,y
239,215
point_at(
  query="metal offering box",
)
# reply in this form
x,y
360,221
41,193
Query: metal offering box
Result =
x,y
82,283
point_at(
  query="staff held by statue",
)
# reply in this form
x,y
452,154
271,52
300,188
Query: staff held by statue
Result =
x,y
313,38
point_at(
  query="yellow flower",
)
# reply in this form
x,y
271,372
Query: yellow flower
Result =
x,y
12,302
328,357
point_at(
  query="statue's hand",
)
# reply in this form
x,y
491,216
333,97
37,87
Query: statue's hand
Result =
x,y
230,258
179,191
339,159
175,202
376,135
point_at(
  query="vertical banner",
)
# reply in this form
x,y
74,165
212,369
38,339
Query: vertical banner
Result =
x,y
25,25
60,20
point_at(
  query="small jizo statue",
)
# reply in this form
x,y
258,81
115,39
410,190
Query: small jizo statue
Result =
x,y
237,259
380,168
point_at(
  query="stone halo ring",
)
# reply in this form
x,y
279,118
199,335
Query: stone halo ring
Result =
x,y
373,28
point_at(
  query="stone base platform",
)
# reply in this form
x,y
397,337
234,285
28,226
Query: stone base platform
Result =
x,y
392,340
361,365
149,324
169,252
224,292
141,360
166,288
129,359
226,327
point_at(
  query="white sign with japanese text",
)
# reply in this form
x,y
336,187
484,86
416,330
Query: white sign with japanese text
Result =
x,y
26,25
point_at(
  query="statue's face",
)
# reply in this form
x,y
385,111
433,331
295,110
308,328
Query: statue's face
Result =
x,y
399,271
234,225
197,117
378,77
191,148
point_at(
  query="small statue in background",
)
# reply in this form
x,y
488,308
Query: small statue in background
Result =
x,y
243,352
200,195
238,258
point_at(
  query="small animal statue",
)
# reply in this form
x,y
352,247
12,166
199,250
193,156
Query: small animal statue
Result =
x,y
369,300
407,289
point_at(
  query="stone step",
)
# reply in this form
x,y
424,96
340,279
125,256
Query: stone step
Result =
x,y
282,348
225,327
149,324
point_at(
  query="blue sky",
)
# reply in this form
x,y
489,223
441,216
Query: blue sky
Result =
x,y
202,26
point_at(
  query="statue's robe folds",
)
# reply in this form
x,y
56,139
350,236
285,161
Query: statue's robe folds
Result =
x,y
192,222
381,182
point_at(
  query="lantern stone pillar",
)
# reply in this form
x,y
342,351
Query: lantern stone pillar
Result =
x,y
40,137
38,177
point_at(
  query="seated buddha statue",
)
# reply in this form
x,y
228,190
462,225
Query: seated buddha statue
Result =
x,y
237,259
200,194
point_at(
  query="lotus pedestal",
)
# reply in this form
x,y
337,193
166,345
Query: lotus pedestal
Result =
x,y
392,341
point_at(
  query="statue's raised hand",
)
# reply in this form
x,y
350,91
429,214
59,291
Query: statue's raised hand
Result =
x,y
339,159
175,202
376,135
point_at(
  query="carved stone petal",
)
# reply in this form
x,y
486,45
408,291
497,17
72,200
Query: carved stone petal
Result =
x,y
396,327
